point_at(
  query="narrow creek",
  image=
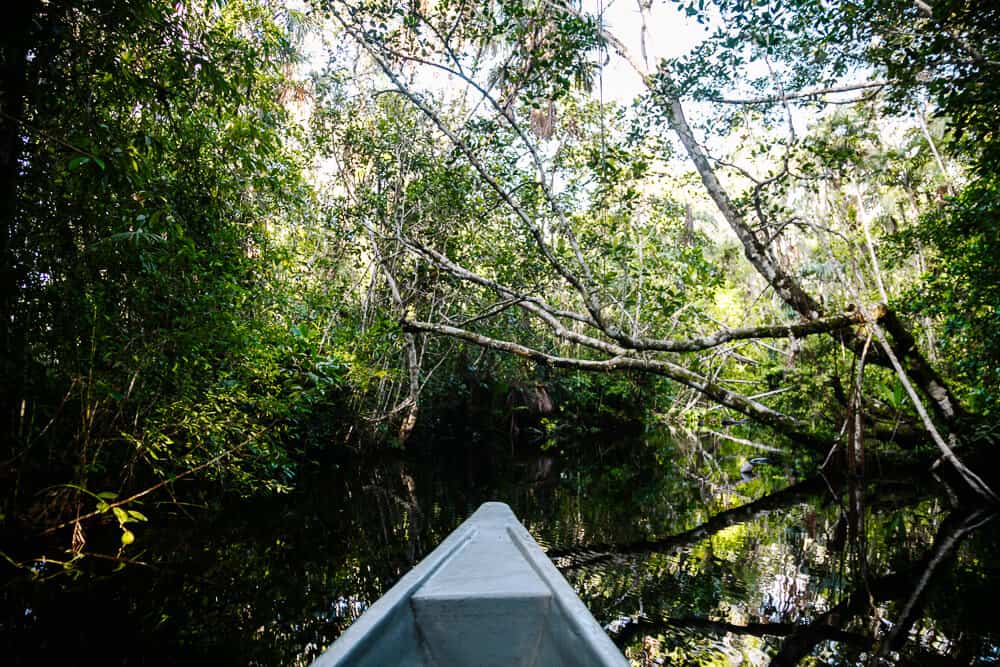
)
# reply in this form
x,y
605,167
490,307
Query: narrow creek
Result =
x,y
680,556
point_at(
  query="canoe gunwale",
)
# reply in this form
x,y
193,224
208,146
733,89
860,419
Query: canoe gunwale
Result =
x,y
389,631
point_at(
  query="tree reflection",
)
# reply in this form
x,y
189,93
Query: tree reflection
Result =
x,y
836,569
682,564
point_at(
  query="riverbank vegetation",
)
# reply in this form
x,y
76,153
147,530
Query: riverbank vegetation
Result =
x,y
237,236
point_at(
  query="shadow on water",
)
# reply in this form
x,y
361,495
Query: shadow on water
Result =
x,y
685,560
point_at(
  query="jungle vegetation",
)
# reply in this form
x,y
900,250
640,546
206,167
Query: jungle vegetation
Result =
x,y
238,234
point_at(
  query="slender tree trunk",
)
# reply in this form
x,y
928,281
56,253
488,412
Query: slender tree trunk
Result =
x,y
944,403
946,407
784,284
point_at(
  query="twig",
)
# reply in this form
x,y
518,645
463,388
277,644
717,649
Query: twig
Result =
x,y
50,137
159,485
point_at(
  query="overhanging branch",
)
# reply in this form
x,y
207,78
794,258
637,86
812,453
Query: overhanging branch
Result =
x,y
801,94
581,285
622,361
551,315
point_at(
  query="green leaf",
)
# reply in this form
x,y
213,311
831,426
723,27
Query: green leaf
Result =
x,y
78,162
121,515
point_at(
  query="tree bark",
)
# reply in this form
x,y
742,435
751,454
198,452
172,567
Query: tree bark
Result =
x,y
944,403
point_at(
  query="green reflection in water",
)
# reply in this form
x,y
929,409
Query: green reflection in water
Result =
x,y
683,558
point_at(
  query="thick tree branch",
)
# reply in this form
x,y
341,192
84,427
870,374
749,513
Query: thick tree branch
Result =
x,y
919,370
797,330
947,451
784,284
622,361
542,309
787,287
444,262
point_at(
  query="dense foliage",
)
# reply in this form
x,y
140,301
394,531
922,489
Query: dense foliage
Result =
x,y
156,316
222,260
251,250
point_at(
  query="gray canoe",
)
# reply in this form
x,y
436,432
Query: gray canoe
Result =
x,y
486,596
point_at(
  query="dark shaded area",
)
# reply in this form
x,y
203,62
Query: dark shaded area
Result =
x,y
651,549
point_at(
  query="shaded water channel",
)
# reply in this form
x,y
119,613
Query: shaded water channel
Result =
x,y
682,558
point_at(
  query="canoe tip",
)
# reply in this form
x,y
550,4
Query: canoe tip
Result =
x,y
496,509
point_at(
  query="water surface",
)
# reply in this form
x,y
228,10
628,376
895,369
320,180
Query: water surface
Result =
x,y
684,559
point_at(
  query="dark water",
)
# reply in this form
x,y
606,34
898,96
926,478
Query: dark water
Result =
x,y
681,557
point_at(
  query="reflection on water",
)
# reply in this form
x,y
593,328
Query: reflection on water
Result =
x,y
681,553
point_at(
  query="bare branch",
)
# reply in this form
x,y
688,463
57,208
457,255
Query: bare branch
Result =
x,y
543,309
801,94
581,284
784,284
621,362
589,301
975,482
823,325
